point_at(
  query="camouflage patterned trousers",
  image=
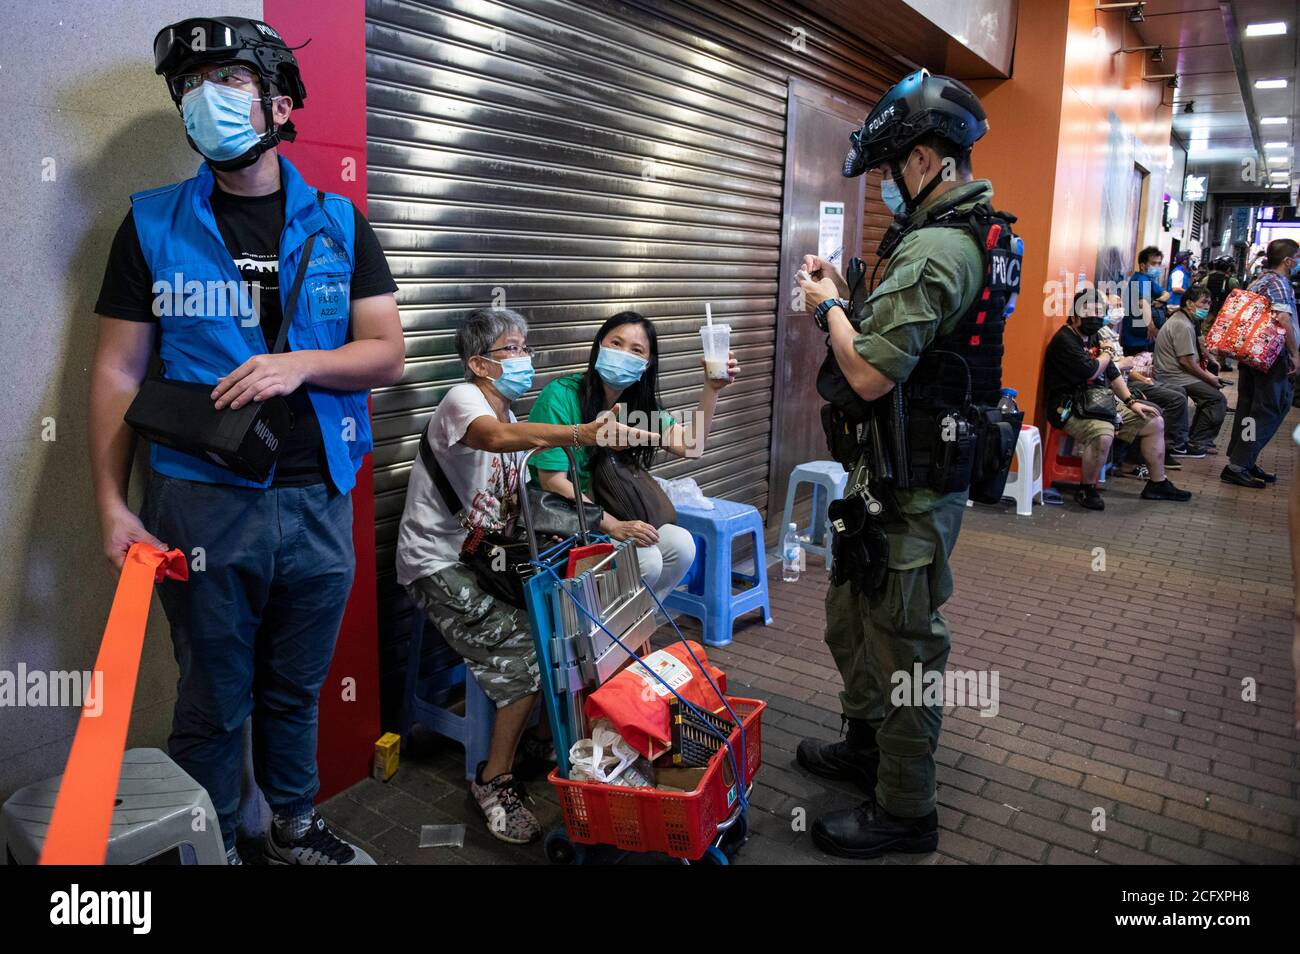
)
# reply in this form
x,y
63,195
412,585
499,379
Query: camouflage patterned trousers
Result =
x,y
491,636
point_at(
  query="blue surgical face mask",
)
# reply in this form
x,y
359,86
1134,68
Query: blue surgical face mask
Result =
x,y
892,196
620,369
217,119
516,377
1201,313
1154,271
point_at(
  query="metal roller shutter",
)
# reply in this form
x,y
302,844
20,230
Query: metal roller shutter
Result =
x,y
581,158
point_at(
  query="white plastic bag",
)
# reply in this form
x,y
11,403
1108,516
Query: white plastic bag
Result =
x,y
605,757
685,492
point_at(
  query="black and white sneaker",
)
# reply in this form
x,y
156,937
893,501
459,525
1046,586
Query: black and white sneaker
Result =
x,y
501,800
317,846
1193,451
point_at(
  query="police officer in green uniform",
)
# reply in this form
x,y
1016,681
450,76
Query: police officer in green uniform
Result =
x,y
919,135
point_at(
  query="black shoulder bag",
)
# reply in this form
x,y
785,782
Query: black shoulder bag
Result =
x,y
246,440
628,491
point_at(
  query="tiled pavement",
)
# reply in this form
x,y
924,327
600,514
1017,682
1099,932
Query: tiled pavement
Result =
x,y
1121,689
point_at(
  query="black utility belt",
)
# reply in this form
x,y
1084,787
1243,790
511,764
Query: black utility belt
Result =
x,y
180,415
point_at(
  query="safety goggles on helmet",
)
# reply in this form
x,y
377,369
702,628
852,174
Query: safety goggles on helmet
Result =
x,y
192,39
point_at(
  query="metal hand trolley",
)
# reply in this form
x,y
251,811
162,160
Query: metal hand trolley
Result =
x,y
585,630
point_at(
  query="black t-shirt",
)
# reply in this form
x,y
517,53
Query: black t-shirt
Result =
x,y
1068,365
251,227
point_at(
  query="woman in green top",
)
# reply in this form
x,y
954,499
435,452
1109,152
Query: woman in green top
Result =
x,y
623,368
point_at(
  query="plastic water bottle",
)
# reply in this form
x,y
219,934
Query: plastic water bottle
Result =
x,y
1008,403
791,555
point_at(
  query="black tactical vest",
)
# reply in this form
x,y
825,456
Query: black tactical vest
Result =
x,y
939,380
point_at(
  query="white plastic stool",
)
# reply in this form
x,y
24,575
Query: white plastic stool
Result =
x,y
1027,481
828,481
160,812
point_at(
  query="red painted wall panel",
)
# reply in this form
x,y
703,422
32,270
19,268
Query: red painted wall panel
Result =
x,y
331,154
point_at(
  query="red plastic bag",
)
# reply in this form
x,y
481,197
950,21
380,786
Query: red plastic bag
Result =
x,y
1246,330
637,703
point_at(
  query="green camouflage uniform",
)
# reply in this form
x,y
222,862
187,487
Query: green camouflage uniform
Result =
x,y
491,635
930,282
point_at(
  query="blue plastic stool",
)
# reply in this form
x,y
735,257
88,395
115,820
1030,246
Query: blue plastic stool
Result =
x,y
707,592
422,698
828,481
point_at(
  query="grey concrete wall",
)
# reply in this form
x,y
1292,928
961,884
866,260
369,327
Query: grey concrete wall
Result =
x,y
79,97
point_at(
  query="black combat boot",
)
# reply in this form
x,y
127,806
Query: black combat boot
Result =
x,y
853,758
869,831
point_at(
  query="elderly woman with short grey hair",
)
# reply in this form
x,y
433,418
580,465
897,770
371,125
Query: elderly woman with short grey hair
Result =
x,y
476,443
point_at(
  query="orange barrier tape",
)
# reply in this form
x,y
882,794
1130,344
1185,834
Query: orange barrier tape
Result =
x,y
83,812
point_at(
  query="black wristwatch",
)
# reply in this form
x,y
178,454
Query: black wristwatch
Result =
x,y
822,310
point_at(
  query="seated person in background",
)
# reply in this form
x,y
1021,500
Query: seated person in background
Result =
x,y
475,441
1144,303
1070,365
623,368
1181,365
1140,378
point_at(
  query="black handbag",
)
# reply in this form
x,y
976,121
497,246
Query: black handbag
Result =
x,y
628,492
500,563
246,440
1095,402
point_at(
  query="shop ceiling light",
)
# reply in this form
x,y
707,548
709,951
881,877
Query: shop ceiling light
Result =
x,y
1273,121
1265,29
1270,84
1277,160
1275,145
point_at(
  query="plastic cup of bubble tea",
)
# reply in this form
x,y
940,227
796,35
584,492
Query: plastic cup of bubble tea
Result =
x,y
717,345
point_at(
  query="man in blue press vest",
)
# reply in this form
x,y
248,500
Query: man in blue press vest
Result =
x,y
272,562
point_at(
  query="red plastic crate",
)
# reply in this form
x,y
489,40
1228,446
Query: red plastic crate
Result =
x,y
680,824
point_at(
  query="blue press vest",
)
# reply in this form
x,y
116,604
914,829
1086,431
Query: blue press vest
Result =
x,y
207,330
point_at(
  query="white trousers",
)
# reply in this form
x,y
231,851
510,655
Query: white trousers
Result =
x,y
664,565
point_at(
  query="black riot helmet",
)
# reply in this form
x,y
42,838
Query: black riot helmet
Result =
x,y
919,105
204,41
